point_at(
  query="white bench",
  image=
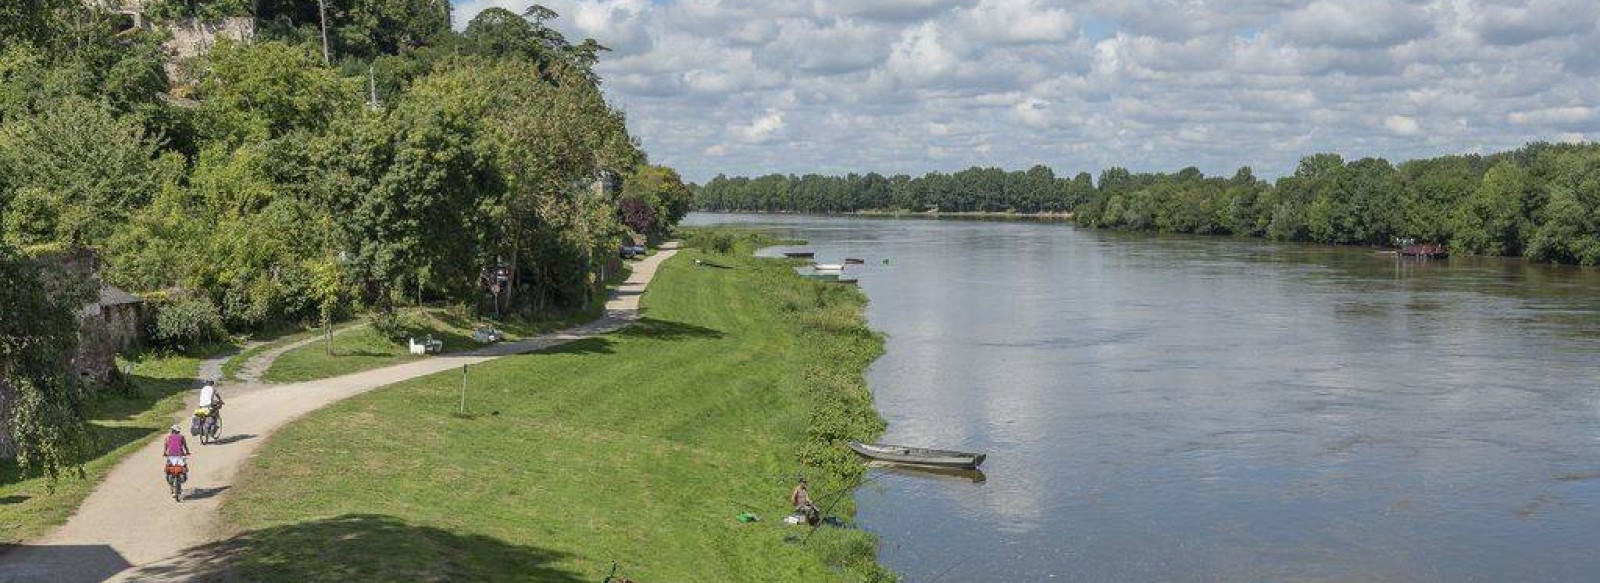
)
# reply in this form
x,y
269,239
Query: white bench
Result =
x,y
425,347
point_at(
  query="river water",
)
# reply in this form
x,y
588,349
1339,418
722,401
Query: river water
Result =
x,y
1167,408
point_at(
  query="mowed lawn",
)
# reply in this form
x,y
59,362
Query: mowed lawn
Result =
x,y
638,448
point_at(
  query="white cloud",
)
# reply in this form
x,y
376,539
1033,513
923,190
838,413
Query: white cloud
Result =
x,y
1356,23
762,129
1553,116
757,86
1401,125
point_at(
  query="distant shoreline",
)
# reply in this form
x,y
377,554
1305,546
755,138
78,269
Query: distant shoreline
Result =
x,y
905,214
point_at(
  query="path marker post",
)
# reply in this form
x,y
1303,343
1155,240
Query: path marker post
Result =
x,y
463,389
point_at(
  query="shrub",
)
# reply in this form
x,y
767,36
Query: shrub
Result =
x,y
187,320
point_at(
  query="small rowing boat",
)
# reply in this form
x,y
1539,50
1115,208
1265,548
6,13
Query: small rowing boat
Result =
x,y
1426,251
918,455
828,267
854,261
799,254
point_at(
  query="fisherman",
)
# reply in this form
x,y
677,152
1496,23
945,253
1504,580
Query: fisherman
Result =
x,y
801,500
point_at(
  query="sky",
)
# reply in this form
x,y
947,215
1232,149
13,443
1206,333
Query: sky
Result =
x,y
749,87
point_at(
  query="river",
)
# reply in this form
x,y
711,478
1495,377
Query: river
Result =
x,y
1177,408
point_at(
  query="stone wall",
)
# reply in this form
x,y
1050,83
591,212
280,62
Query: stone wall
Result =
x,y
192,37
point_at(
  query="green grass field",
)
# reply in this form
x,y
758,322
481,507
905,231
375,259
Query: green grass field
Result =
x,y
639,447
271,339
122,421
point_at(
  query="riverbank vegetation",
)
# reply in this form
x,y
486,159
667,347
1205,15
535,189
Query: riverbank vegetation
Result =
x,y
284,182
639,447
1541,201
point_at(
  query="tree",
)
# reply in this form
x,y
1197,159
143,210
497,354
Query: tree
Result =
x,y
661,190
77,172
269,89
43,405
1570,232
1492,219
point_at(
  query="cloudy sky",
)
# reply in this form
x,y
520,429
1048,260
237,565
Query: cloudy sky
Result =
x,y
832,86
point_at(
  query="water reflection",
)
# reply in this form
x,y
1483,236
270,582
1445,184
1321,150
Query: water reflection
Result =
x,y
1202,409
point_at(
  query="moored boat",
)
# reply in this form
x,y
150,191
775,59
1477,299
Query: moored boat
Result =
x,y
799,254
1423,251
828,267
918,455
854,261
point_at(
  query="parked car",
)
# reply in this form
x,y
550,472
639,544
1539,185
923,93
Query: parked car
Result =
x,y
632,251
488,334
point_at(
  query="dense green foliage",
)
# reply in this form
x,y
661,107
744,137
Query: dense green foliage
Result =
x,y
972,190
43,403
638,447
280,194
263,186
654,199
1541,201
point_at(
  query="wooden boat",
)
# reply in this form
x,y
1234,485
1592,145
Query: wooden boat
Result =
x,y
854,261
918,455
846,280
810,273
799,254
1423,250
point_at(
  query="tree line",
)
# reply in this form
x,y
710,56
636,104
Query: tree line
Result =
x,y
269,184
1541,201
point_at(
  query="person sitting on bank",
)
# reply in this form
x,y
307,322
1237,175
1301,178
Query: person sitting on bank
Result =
x,y
801,500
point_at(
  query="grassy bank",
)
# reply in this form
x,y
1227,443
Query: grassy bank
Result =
x,y
122,421
638,447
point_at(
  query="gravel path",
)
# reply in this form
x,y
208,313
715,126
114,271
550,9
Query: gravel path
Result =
x,y
130,529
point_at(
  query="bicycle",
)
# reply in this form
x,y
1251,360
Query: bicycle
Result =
x,y
207,424
177,472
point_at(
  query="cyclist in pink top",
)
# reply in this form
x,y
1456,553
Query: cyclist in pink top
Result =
x,y
177,446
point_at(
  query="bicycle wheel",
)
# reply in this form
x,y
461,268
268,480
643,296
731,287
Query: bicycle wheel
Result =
x,y
177,487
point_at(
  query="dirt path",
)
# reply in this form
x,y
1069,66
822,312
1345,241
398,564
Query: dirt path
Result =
x,y
130,529
256,366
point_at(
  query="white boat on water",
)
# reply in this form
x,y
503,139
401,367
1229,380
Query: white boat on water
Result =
x,y
835,267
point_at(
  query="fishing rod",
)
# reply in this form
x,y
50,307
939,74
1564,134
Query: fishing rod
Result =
x,y
837,496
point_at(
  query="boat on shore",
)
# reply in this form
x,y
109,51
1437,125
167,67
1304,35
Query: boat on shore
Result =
x,y
1429,251
799,254
828,267
810,273
919,456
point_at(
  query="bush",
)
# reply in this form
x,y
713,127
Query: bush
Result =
x,y
187,320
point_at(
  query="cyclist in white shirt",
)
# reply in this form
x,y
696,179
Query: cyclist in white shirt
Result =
x,y
211,400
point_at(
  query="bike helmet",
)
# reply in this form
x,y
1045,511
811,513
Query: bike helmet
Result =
x,y
176,429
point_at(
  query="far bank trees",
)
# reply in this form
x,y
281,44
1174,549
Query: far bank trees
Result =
x,y
1541,201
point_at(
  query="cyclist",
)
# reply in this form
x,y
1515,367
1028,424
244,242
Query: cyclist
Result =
x,y
211,401
176,448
